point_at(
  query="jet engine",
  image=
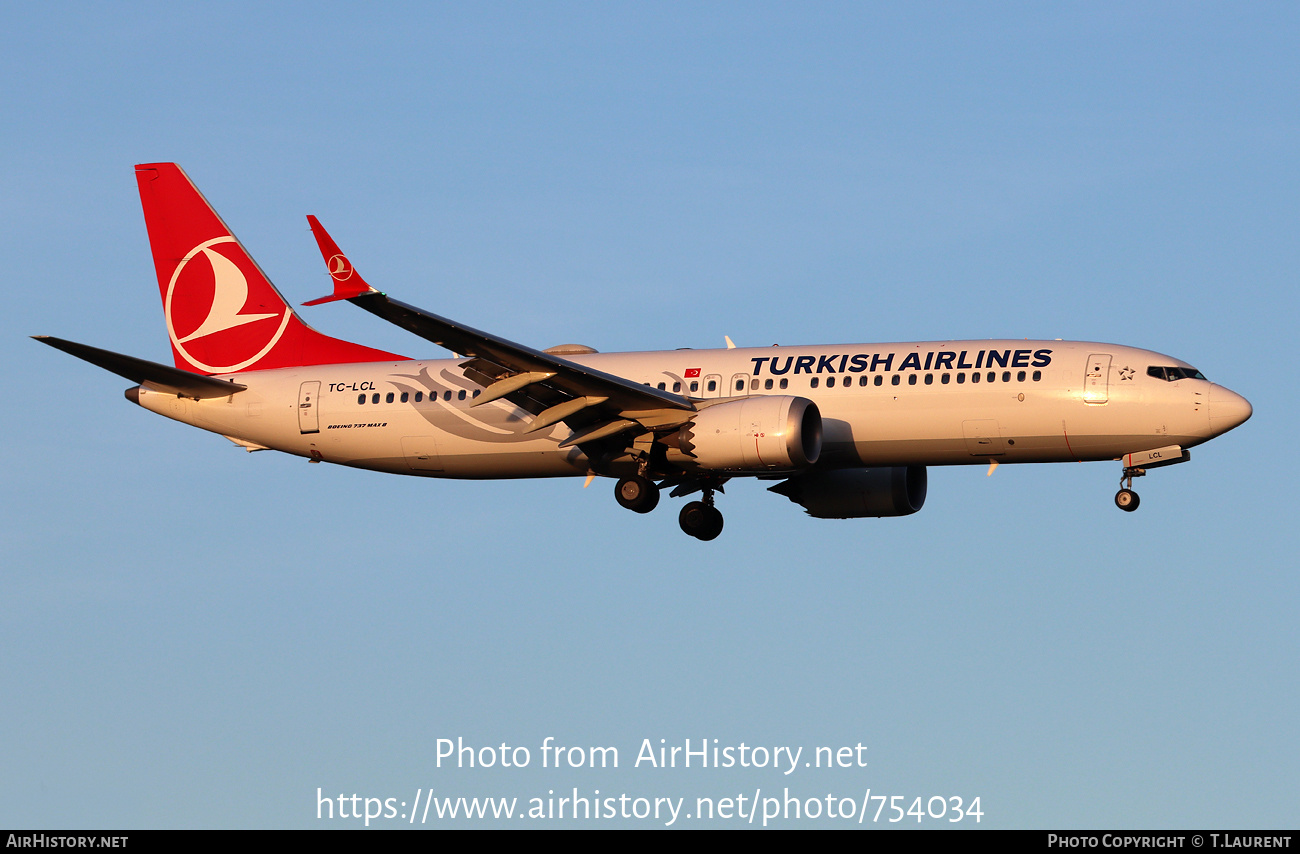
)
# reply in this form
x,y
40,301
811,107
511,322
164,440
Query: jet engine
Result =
x,y
755,434
855,493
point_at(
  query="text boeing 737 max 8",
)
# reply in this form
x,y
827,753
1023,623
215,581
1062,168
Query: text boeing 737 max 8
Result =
x,y
847,430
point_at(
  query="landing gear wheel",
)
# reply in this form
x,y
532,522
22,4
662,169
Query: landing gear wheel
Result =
x,y
637,494
1127,500
700,520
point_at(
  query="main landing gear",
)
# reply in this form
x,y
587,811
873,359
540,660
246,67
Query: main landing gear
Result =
x,y
1126,499
700,519
638,494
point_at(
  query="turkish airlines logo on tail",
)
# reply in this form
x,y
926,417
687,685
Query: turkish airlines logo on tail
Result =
x,y
339,268
205,308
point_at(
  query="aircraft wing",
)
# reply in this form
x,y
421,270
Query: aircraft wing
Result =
x,y
595,404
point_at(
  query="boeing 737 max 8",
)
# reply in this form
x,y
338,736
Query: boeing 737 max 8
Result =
x,y
845,431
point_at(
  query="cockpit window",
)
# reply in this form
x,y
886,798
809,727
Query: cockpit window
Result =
x,y
1171,373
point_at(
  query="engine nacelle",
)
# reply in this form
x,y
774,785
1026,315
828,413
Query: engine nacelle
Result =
x,y
855,493
755,434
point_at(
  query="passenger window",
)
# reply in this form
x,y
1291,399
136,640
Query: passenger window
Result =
x,y
961,378
929,379
830,382
419,396
879,379
1006,376
677,387
974,378
1038,375
895,379
862,380
1020,377
663,386
713,385
740,385
375,398
446,395
944,378
911,379
813,382
361,398
767,383
460,395
695,386
785,383
405,397
388,398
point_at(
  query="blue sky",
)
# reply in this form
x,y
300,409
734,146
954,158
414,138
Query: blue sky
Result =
x,y
194,636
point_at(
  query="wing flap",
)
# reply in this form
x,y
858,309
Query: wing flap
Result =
x,y
570,377
548,386
606,397
509,384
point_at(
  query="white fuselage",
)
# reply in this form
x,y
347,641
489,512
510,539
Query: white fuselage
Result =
x,y
881,405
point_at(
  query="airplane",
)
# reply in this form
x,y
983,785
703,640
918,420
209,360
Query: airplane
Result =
x,y
845,431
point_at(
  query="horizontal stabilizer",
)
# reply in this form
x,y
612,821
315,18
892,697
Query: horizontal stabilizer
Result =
x,y
162,377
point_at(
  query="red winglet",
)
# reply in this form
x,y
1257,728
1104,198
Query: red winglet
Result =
x,y
347,281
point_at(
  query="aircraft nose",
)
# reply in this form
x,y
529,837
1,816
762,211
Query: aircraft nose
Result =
x,y
1227,409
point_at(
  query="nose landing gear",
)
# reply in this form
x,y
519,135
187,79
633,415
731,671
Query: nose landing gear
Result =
x,y
1136,465
1126,499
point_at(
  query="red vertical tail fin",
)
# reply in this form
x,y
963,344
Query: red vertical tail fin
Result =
x,y
223,314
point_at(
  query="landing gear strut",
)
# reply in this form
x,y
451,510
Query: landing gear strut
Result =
x,y
638,494
1136,465
1126,499
701,519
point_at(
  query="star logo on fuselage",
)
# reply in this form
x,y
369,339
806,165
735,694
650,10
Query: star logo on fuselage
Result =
x,y
1125,373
